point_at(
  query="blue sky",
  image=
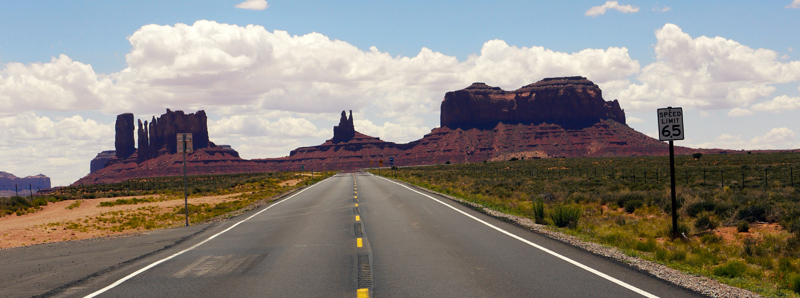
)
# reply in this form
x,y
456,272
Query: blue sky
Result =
x,y
275,79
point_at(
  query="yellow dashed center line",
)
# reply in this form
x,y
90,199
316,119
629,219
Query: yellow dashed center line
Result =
x,y
363,293
355,197
358,218
359,242
356,204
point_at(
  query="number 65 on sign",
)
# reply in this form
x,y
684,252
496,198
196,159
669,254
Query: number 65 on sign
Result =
x,y
670,124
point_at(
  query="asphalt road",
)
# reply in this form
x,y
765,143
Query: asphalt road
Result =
x,y
358,235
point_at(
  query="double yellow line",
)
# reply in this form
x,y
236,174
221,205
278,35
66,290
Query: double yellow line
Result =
x,y
362,292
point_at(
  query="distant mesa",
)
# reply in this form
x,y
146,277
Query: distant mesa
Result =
x,y
570,102
555,117
9,183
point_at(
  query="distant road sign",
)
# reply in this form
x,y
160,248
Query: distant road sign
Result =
x,y
185,143
670,124
391,161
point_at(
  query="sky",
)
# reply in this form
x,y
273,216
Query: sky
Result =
x,y
275,75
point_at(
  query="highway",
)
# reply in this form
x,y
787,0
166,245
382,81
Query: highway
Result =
x,y
359,235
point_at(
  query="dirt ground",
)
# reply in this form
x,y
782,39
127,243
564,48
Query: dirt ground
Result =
x,y
50,223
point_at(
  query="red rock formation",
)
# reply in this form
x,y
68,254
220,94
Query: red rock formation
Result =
x,y
345,131
123,140
156,138
571,102
560,117
101,160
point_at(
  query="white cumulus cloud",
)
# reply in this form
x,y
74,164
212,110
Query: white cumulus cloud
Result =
x,y
739,112
59,148
778,104
601,10
253,5
776,138
794,4
705,73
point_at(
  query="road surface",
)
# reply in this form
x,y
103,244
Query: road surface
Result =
x,y
355,235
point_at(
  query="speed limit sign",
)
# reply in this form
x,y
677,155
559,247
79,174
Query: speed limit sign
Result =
x,y
670,124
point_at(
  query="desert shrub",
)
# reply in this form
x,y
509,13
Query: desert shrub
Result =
x,y
705,223
753,213
565,216
631,206
743,226
785,265
538,212
696,208
697,155
647,246
39,202
795,283
751,248
794,226
731,269
710,238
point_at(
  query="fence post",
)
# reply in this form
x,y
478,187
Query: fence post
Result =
x,y
721,178
766,177
742,177
687,177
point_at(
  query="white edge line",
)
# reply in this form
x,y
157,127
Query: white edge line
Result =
x,y
555,254
137,272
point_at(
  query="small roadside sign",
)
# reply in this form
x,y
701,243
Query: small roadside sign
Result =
x,y
380,162
670,124
670,128
391,161
185,143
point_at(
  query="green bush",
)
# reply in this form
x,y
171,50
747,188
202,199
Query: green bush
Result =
x,y
731,269
795,284
753,213
566,216
631,206
705,223
538,212
696,208
743,227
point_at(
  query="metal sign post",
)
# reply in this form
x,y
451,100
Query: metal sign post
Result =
x,y
185,145
670,127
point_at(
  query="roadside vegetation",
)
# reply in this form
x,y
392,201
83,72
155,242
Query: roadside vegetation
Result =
x,y
739,214
251,187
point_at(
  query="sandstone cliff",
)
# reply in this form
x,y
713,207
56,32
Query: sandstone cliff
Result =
x,y
571,102
156,138
123,138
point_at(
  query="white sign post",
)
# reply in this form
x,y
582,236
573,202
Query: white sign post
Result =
x,y
185,145
670,128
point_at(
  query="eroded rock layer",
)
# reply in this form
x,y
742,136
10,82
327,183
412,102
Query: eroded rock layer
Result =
x,y
571,102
